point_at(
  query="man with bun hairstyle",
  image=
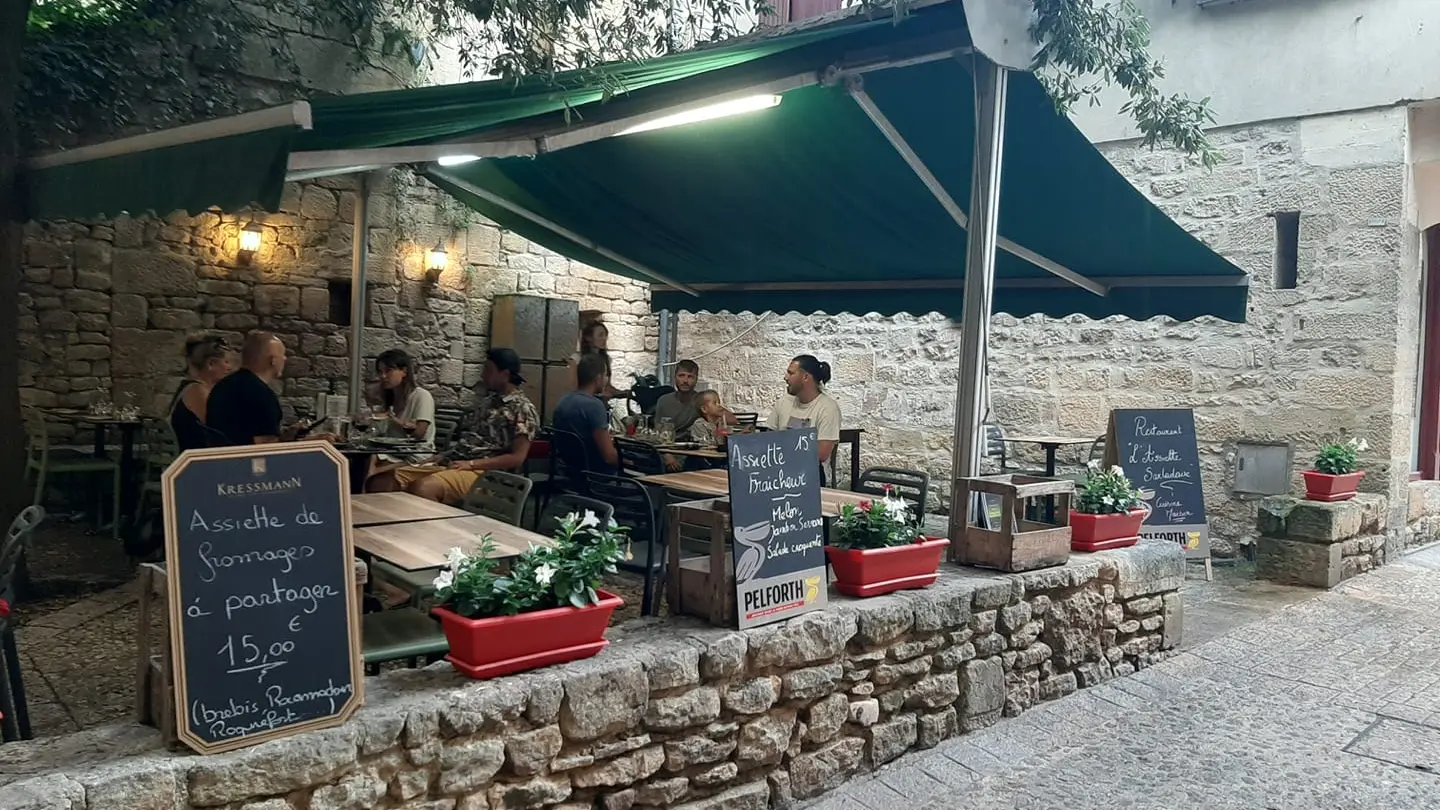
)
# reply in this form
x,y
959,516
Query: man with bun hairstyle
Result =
x,y
806,404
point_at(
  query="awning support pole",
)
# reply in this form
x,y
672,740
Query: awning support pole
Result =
x,y
856,89
359,300
991,83
561,231
665,351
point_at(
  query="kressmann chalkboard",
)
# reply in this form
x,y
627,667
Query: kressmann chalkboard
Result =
x,y
779,530
1158,451
264,627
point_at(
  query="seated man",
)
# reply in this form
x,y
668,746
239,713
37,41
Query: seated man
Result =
x,y
496,436
582,413
243,407
682,407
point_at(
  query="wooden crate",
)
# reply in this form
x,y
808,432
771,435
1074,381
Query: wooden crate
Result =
x,y
702,586
1018,544
154,683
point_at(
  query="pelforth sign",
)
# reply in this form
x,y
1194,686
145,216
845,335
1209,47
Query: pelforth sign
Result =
x,y
779,531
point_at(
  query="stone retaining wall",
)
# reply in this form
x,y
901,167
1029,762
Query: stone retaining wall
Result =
x,y
673,714
1323,544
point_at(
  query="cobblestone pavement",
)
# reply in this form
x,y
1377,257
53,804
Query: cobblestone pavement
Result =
x,y
1331,703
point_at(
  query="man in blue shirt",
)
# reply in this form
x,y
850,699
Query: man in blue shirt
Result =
x,y
582,413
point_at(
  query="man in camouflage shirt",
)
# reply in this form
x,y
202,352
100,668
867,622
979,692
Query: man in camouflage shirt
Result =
x,y
495,436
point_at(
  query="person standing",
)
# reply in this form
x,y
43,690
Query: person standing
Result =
x,y
582,413
595,339
495,436
207,362
243,408
806,405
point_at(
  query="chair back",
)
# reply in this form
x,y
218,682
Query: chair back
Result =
x,y
565,504
12,547
633,504
641,457
994,441
162,447
746,418
570,458
447,424
499,495
1097,450
911,485
37,437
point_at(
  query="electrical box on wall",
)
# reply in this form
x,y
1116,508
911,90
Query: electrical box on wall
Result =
x,y
1262,468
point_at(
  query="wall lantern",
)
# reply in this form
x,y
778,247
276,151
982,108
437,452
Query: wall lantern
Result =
x,y
436,261
250,237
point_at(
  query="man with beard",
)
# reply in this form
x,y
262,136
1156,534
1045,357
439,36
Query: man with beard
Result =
x,y
682,407
806,405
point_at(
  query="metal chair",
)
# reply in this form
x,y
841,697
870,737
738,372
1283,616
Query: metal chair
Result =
x,y
15,724
403,634
912,485
564,504
447,425
634,506
499,495
746,419
43,461
639,458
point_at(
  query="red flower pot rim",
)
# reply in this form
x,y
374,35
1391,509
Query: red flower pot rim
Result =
x,y
606,598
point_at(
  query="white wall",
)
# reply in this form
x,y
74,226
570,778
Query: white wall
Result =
x,y
1262,60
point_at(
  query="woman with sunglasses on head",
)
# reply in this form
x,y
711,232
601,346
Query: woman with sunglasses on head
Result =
x,y
208,360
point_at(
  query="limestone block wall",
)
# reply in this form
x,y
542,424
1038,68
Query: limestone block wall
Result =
x,y
1335,355
105,307
672,714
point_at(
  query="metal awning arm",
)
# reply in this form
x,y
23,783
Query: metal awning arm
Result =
x,y
854,86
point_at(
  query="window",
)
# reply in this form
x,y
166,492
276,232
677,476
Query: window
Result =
x,y
340,302
789,11
1287,249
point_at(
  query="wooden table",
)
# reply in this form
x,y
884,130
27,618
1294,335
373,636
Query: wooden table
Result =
x,y
1051,444
381,508
709,453
716,483
423,544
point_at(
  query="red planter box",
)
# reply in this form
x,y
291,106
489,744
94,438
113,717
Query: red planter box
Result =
x,y
875,571
1103,532
1331,488
504,645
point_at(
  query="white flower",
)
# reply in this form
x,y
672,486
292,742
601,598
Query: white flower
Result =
x,y
455,557
1092,465
1117,470
897,507
544,573
1108,501
444,580
590,520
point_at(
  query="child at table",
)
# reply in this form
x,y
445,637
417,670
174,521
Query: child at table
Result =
x,y
707,429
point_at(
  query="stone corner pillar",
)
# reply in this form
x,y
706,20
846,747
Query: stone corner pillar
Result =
x,y
1320,544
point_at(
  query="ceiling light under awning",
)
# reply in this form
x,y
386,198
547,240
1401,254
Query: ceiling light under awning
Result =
x,y
709,112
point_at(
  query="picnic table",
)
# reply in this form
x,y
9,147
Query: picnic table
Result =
x,y
716,483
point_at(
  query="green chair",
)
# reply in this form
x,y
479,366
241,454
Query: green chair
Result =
x,y
498,495
162,448
403,634
14,711
42,460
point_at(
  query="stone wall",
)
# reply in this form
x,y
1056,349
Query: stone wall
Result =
x,y
105,307
1326,358
673,714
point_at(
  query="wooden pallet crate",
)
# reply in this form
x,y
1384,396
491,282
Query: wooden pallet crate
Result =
x,y
703,585
1017,544
154,681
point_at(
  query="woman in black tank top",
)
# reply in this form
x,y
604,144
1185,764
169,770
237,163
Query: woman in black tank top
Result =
x,y
207,361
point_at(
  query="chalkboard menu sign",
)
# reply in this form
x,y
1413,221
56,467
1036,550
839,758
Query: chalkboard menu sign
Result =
x,y
779,530
264,627
1157,450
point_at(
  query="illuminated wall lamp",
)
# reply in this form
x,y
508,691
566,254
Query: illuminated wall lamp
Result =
x,y
250,238
436,260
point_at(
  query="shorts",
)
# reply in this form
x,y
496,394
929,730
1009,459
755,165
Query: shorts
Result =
x,y
454,484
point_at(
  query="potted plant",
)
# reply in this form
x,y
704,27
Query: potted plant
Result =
x,y
545,610
1108,511
1337,472
878,548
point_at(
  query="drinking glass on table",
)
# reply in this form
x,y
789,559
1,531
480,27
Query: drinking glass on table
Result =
x,y
667,431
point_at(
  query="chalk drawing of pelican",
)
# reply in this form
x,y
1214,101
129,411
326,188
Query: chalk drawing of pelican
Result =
x,y
752,538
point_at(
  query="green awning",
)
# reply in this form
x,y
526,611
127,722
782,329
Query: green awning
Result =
x,y
806,207
219,167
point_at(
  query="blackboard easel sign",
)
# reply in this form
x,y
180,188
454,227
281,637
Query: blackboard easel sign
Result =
x,y
778,540
1157,449
264,628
